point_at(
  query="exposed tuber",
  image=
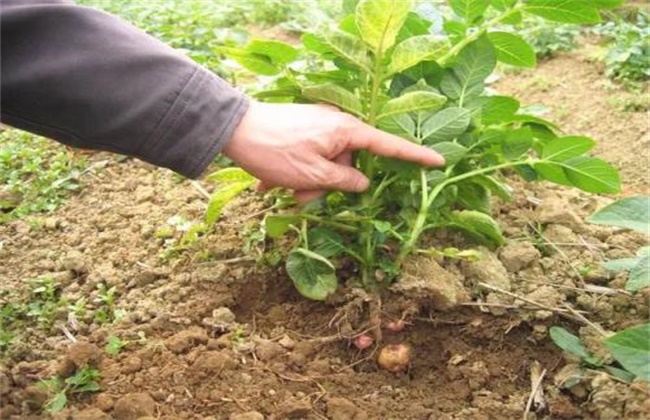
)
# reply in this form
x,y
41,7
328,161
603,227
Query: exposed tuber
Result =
x,y
363,341
395,357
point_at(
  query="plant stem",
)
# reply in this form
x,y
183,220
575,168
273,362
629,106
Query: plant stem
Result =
x,y
444,60
420,220
338,225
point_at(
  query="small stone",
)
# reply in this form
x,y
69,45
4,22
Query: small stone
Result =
x,y
131,365
223,315
245,378
145,278
517,256
344,409
51,223
6,384
267,350
560,235
249,415
144,193
424,278
183,341
104,402
134,406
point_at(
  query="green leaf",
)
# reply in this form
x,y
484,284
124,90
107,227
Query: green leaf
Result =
x,y
589,174
326,242
469,9
473,65
379,21
517,143
498,109
349,48
335,95
256,63
512,49
607,4
276,225
232,182
474,196
631,348
114,345
312,275
503,191
621,264
412,102
503,5
445,125
57,403
629,213
452,152
564,148
570,343
639,275
278,52
401,124
479,225
414,50
566,11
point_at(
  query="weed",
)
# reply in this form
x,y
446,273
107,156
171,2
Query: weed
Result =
x,y
107,312
548,38
36,175
84,380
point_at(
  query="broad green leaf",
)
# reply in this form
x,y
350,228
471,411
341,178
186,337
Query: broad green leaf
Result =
x,y
498,109
445,125
349,5
349,48
452,152
223,196
414,25
312,275
621,374
566,11
315,43
256,63
512,49
503,5
474,196
326,242
630,213
589,174
412,102
517,143
279,52
401,124
569,343
277,225
335,95
379,21
526,118
607,4
57,403
230,175
503,191
469,9
479,225
639,275
621,264
565,148
631,348
473,65
114,345
415,50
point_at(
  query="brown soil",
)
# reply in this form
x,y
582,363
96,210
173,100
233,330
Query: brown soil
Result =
x,y
226,338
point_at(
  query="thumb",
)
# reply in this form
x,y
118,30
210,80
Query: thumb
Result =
x,y
345,178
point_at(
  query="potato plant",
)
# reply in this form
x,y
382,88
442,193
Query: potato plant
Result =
x,y
383,65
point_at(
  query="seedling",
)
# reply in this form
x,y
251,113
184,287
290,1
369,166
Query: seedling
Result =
x,y
84,380
44,301
383,65
106,300
114,344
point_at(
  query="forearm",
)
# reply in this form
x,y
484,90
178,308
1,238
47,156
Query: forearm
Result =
x,y
90,80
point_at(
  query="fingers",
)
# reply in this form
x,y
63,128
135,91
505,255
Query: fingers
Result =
x,y
305,196
342,177
362,136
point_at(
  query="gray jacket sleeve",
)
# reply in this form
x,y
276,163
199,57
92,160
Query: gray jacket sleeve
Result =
x,y
91,80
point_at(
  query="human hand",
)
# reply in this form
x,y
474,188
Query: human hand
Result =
x,y
308,148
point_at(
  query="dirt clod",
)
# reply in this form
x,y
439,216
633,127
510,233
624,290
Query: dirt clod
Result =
x,y
249,415
211,363
266,350
92,413
294,409
516,256
344,409
104,402
134,406
131,365
425,280
79,355
556,211
183,341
